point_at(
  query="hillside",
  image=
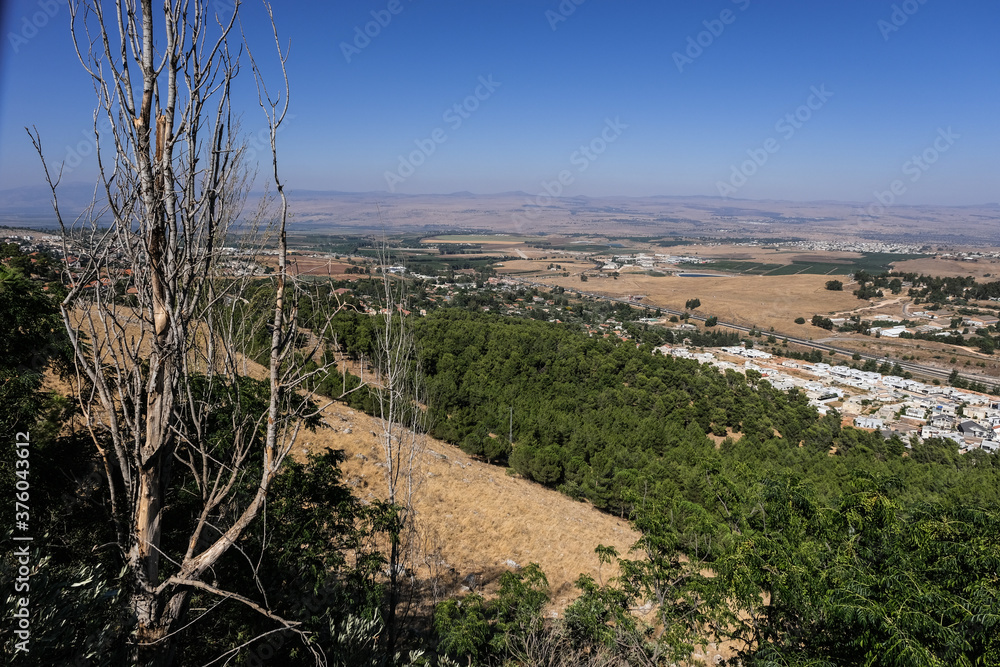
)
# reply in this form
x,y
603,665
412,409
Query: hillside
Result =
x,y
475,517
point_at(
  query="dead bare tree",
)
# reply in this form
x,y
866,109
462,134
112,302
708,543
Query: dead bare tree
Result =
x,y
157,312
398,399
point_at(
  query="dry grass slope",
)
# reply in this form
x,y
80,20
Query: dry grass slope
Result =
x,y
473,516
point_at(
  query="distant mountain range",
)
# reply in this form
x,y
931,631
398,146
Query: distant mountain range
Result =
x,y
319,211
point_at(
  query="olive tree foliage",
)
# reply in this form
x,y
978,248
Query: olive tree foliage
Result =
x,y
155,312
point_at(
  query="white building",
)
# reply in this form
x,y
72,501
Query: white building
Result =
x,y
931,432
892,332
869,422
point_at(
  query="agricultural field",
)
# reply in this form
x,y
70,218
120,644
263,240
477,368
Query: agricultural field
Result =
x,y
786,263
821,269
762,301
580,246
988,269
304,265
481,239
433,264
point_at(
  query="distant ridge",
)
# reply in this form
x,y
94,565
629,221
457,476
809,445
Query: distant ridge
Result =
x,y
29,199
696,216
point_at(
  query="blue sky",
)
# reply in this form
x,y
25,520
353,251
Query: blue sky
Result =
x,y
873,84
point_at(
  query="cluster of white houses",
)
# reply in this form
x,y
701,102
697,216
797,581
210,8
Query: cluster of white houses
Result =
x,y
937,323
896,405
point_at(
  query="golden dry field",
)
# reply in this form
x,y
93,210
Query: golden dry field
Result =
x,y
988,269
299,265
762,301
302,265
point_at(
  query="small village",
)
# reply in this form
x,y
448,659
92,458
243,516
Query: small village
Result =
x,y
893,405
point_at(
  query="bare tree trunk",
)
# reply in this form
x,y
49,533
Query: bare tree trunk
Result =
x,y
401,422
173,178
156,449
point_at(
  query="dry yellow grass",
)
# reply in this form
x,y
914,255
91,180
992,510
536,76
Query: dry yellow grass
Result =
x,y
473,518
473,515
302,265
951,268
762,301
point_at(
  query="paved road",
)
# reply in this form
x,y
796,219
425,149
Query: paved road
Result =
x,y
917,369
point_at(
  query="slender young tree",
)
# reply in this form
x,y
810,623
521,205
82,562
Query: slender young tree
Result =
x,y
156,313
401,426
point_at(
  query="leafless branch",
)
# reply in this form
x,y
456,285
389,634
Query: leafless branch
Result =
x,y
157,311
